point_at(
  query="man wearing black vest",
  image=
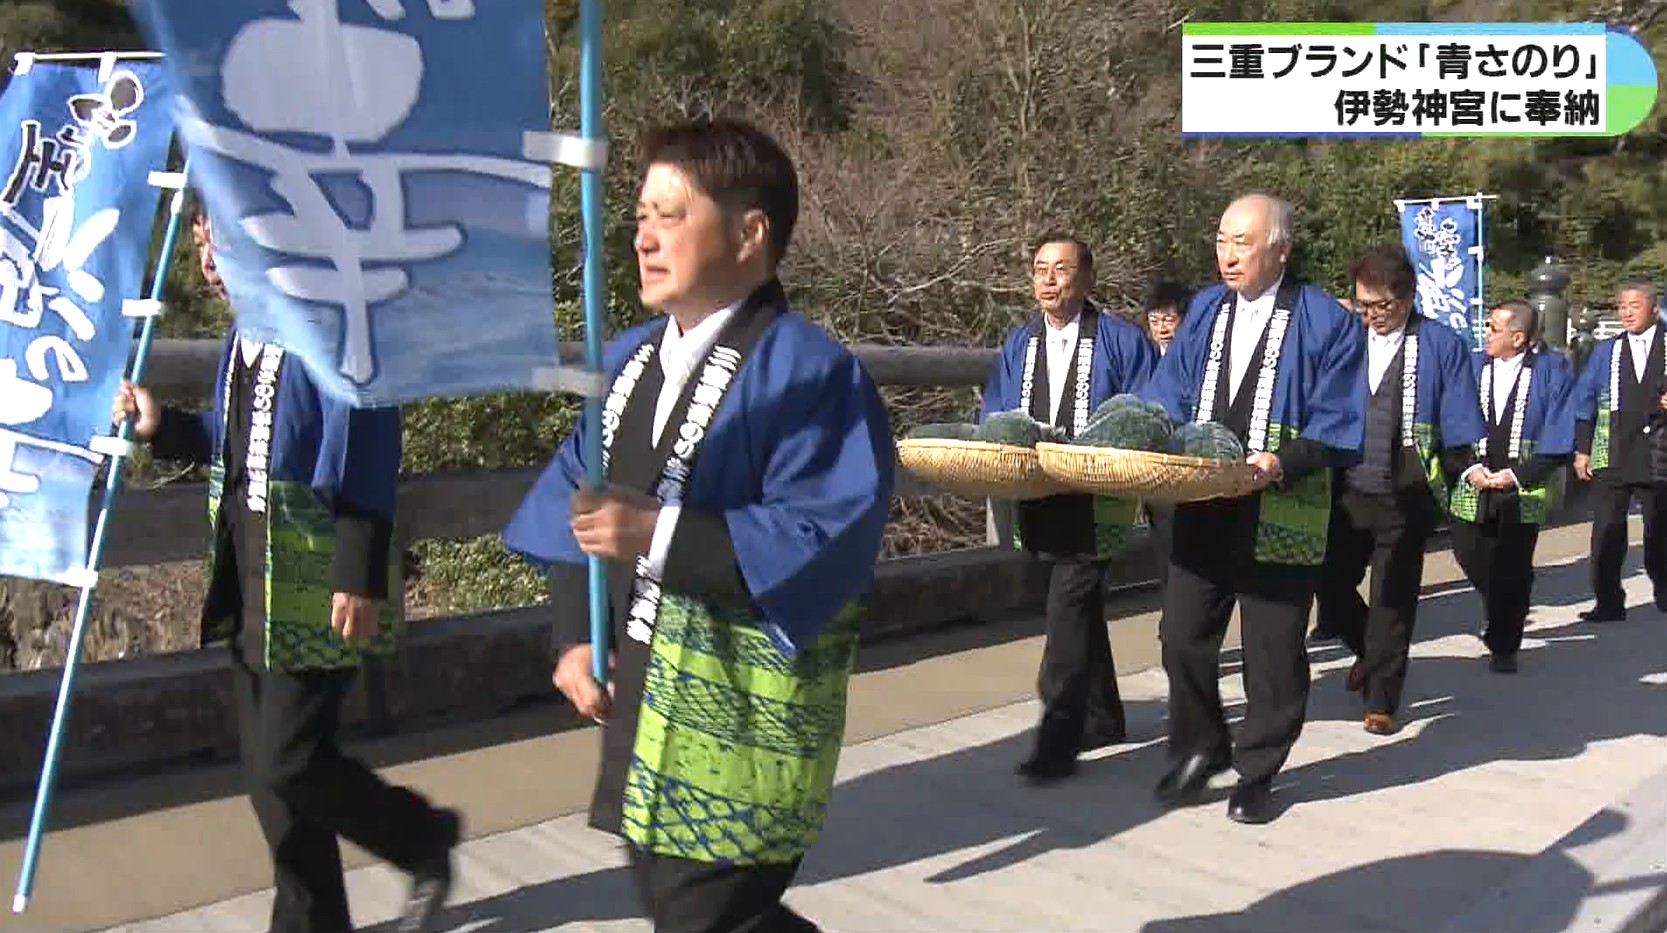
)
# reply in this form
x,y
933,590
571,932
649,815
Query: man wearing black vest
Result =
x,y
1422,419
1278,362
1059,365
1618,407
1500,503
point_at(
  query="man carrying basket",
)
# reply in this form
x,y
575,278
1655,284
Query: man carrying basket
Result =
x,y
1058,366
1280,363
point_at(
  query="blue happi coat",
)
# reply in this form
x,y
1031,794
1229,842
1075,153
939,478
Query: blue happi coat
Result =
x,y
732,667
1318,394
1594,399
1121,360
1445,413
326,477
1538,425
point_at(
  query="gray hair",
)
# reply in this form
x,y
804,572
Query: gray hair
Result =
x,y
1281,225
1280,214
1639,285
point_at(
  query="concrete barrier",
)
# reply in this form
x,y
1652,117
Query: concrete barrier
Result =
x,y
168,710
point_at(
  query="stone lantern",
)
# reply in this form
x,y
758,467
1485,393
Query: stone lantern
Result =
x,y
1585,333
1545,294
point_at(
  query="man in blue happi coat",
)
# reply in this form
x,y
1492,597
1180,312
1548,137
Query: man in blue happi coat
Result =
x,y
1619,406
1500,503
749,466
303,582
1058,366
1422,421
1280,363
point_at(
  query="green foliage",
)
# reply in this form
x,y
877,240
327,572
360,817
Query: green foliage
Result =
x,y
476,575
64,26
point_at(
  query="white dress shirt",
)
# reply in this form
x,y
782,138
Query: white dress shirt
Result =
x,y
1641,344
1250,319
251,350
679,354
1504,374
1061,343
1380,352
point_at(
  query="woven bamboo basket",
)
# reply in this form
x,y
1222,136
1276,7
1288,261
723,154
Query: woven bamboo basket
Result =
x,y
1111,471
977,469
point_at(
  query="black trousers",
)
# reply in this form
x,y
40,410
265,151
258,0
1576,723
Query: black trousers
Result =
x,y
1077,682
1386,533
1611,500
1497,556
1211,568
684,896
305,793
1162,518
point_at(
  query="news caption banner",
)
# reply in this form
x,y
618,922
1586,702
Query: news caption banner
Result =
x,y
1413,79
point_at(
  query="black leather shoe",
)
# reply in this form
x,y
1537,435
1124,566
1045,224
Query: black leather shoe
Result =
x,y
1503,663
1185,782
1252,802
431,882
1101,736
1046,769
1601,614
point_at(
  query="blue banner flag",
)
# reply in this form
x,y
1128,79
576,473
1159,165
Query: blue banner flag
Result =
x,y
77,146
1443,237
365,165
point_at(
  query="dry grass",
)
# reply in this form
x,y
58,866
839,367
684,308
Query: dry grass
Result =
x,y
135,611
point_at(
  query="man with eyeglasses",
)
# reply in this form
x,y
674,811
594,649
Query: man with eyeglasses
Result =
x,y
1164,311
1421,419
1058,366
1618,405
1500,503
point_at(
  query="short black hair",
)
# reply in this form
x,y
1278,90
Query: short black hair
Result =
x,y
1386,266
1169,295
1523,317
1085,255
737,165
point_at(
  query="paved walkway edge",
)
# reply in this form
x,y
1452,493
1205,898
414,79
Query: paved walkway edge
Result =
x,y
1623,851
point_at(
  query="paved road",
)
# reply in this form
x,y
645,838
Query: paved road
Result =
x,y
1526,803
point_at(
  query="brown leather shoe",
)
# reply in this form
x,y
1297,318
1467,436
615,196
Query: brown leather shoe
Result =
x,y
1380,723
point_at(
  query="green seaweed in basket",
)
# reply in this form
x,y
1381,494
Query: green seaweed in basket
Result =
x,y
945,432
1015,429
1207,439
1127,423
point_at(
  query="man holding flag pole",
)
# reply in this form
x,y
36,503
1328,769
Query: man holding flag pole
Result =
x,y
303,579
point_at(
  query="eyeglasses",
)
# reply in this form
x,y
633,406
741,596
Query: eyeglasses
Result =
x,y
1384,305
